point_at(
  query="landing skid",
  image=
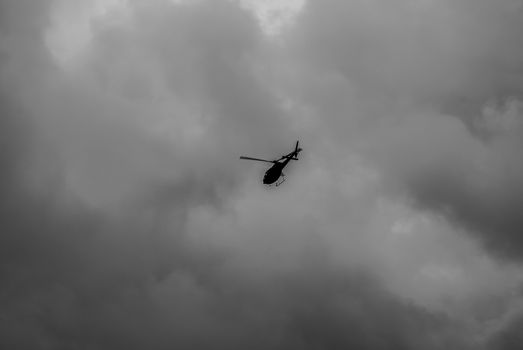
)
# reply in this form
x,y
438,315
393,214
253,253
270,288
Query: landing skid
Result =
x,y
282,180
277,183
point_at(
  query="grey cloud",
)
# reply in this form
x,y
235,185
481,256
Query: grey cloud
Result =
x,y
422,89
210,67
508,338
430,92
452,56
442,167
97,252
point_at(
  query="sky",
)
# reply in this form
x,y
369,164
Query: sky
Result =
x,y
128,221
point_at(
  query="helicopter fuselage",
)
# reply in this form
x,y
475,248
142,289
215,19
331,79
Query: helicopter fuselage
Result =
x,y
273,174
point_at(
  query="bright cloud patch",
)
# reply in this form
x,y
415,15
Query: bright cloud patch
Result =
x,y
274,15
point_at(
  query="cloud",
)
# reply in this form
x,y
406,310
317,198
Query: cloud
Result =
x,y
428,90
128,221
508,338
430,52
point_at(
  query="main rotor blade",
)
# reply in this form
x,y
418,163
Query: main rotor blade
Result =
x,y
288,156
258,159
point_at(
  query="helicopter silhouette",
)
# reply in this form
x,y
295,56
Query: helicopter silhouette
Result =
x,y
276,171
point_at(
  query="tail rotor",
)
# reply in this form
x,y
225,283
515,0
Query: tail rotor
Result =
x,y
297,149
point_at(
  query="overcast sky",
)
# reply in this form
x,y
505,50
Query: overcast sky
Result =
x,y
127,220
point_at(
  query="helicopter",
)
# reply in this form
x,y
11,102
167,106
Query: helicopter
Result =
x,y
276,171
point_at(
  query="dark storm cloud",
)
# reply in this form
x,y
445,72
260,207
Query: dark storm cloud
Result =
x,y
442,167
509,338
